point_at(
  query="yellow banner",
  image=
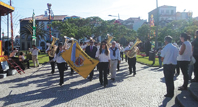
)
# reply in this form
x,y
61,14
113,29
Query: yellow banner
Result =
x,y
83,64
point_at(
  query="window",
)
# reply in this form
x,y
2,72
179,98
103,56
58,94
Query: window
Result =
x,y
162,11
172,12
167,11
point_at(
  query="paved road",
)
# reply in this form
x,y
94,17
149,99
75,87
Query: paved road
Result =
x,y
40,88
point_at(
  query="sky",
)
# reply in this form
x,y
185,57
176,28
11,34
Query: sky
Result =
x,y
88,8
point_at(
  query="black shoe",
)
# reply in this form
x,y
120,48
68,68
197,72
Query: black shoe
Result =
x,y
52,72
171,96
134,74
194,80
71,73
113,79
182,88
130,73
105,85
60,84
90,79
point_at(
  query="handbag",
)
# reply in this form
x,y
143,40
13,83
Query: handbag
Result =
x,y
192,60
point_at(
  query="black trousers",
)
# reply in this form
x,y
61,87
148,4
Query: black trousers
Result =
x,y
103,69
91,75
184,68
126,58
169,71
61,69
132,63
66,67
52,64
121,55
196,68
118,66
177,68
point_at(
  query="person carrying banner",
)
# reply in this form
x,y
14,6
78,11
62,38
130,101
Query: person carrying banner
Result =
x,y
103,55
91,51
115,58
60,62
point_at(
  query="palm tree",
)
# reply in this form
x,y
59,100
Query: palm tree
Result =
x,y
27,30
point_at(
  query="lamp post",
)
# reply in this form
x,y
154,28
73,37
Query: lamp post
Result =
x,y
49,8
157,24
115,16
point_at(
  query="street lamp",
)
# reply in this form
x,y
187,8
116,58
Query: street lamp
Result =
x,y
157,22
115,16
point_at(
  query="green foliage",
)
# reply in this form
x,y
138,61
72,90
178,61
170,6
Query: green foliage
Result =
x,y
143,32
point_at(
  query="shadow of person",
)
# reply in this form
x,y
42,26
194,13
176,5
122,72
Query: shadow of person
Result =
x,y
165,101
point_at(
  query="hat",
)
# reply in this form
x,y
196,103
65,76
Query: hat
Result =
x,y
113,42
131,43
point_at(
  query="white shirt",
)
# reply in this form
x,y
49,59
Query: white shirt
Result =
x,y
59,58
170,53
34,51
13,53
21,58
128,48
118,45
102,57
187,52
122,49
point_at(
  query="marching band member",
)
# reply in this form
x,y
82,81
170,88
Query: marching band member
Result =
x,y
34,50
115,58
121,52
132,61
91,51
118,46
60,62
50,58
103,55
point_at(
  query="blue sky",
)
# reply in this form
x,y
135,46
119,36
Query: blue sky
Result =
x,y
87,8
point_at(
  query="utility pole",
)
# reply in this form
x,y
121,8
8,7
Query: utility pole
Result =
x,y
49,8
11,26
157,24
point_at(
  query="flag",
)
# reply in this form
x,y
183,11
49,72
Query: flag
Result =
x,y
78,60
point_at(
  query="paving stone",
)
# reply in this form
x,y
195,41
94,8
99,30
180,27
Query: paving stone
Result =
x,y
38,87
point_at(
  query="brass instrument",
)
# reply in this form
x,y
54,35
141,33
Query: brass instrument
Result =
x,y
109,39
53,47
133,49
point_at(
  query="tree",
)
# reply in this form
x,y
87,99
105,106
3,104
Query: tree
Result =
x,y
27,30
143,32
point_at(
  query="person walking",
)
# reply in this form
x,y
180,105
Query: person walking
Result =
x,y
126,58
169,57
91,51
159,57
34,52
185,53
195,55
50,58
115,57
132,61
60,62
121,52
103,55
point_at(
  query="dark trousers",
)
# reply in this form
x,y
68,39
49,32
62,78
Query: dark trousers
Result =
x,y
132,63
169,71
103,69
66,67
91,75
177,68
126,58
61,69
118,66
121,55
52,64
196,68
184,68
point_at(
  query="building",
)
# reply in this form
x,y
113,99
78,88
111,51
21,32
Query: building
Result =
x,y
25,43
168,14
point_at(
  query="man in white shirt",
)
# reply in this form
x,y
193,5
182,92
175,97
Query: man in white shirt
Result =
x,y
169,57
34,52
121,52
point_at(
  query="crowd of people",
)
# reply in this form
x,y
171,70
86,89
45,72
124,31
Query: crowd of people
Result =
x,y
176,58
109,57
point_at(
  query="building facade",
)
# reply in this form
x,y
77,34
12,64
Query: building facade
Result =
x,y
26,43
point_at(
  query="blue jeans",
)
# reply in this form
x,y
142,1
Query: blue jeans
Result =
x,y
160,62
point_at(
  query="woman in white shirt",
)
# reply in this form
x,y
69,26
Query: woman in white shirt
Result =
x,y
60,62
103,55
183,59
